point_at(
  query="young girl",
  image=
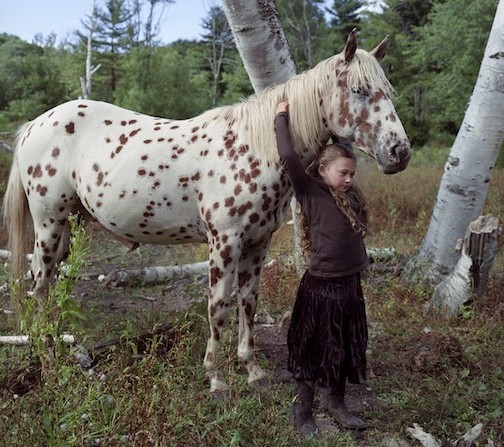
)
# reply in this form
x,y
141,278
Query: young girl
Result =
x,y
327,338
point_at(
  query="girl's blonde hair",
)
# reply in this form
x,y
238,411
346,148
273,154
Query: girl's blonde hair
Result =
x,y
351,203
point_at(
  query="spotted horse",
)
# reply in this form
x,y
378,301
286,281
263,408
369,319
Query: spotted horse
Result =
x,y
213,178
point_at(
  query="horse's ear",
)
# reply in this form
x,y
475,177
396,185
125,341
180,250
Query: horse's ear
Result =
x,y
381,49
350,46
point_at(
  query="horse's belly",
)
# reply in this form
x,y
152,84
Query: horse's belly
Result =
x,y
147,218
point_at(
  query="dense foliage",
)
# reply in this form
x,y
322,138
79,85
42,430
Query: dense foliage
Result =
x,y
436,50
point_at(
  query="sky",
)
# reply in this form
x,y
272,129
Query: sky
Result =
x,y
26,18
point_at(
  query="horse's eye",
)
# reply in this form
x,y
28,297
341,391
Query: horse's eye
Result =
x,y
360,91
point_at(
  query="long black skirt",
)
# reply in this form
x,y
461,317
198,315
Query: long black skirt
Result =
x,y
327,337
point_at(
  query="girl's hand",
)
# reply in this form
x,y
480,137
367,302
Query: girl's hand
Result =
x,y
283,107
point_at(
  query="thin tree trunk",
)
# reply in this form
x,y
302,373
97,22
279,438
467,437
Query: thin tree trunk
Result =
x,y
267,58
86,82
468,171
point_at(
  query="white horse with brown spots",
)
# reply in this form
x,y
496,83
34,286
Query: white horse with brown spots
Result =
x,y
213,178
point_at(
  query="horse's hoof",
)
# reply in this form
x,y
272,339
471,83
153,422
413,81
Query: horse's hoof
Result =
x,y
263,384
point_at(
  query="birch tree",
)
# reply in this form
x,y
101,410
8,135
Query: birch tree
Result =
x,y
261,41
86,81
468,170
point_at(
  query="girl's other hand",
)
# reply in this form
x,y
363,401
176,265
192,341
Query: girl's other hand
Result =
x,y
283,107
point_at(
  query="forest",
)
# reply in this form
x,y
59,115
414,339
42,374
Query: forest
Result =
x,y
434,57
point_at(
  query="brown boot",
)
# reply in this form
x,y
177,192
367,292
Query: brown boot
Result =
x,y
333,399
301,415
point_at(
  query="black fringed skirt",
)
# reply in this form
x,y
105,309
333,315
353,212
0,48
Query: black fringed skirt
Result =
x,y
327,337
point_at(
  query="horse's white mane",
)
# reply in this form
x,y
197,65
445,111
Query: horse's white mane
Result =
x,y
256,114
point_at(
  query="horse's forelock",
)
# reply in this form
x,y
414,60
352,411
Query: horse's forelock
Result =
x,y
365,70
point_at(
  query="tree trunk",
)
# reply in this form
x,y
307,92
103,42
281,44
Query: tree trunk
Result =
x,y
470,276
86,82
468,171
261,41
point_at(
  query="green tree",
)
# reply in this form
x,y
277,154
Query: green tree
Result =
x,y
30,82
111,39
401,19
344,16
219,47
306,30
446,57
174,88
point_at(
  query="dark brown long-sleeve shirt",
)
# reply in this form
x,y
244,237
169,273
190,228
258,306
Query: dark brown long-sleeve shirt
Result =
x,y
338,250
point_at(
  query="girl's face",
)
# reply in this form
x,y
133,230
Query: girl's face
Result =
x,y
338,174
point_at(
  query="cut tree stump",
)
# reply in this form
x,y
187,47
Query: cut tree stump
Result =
x,y
469,278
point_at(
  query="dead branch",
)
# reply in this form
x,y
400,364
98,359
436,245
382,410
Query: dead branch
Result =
x,y
6,146
23,340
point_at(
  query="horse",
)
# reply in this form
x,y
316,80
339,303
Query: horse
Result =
x,y
213,178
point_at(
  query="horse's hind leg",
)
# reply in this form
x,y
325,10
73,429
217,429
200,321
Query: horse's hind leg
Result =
x,y
249,269
52,234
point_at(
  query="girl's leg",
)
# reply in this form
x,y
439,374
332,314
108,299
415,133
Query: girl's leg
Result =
x,y
301,415
333,399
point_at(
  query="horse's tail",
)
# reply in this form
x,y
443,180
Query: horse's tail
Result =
x,y
16,215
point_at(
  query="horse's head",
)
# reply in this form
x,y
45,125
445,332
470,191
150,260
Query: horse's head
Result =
x,y
367,115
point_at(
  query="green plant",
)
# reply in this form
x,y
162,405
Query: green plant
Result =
x,y
45,319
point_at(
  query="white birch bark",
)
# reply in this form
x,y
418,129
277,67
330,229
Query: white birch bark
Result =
x,y
86,82
23,340
156,275
261,41
468,170
427,440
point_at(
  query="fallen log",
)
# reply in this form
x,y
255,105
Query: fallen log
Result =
x,y
155,275
160,274
22,340
469,278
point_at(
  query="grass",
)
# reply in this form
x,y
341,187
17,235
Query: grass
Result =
x,y
446,375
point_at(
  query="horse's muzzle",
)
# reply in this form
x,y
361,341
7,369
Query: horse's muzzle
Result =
x,y
395,158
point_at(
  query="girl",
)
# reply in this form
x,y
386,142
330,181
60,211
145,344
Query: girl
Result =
x,y
327,338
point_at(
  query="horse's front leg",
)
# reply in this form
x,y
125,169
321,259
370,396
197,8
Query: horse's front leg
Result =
x,y
249,271
224,254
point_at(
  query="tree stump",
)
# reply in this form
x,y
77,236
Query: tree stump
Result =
x,y
469,278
